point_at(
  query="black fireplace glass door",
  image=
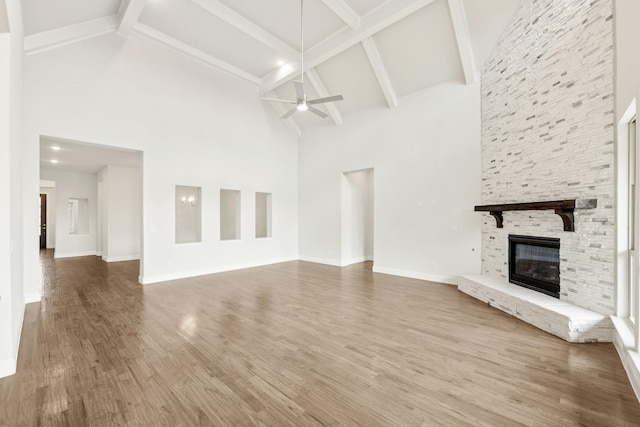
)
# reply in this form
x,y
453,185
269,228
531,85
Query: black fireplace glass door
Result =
x,y
538,262
534,262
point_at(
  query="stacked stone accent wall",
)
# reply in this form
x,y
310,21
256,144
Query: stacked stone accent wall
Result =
x,y
548,134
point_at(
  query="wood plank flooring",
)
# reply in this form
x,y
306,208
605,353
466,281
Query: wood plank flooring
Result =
x,y
295,344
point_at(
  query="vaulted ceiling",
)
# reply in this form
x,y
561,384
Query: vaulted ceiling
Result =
x,y
371,51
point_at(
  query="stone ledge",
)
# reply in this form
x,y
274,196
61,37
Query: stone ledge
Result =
x,y
564,320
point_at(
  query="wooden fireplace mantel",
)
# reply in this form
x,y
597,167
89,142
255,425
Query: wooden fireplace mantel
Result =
x,y
563,208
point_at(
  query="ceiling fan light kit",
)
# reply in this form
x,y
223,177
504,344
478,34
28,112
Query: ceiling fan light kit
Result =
x,y
302,103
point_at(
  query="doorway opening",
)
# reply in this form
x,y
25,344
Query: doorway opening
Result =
x,y
42,215
357,216
93,200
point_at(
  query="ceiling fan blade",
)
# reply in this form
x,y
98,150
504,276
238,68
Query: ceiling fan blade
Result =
x,y
278,100
317,112
327,99
299,90
289,113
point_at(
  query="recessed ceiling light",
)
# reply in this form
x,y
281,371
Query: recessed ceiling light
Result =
x,y
281,63
55,148
53,161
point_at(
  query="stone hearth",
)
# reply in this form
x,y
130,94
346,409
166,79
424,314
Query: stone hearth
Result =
x,y
560,318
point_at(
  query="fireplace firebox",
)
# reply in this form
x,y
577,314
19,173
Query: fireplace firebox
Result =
x,y
534,262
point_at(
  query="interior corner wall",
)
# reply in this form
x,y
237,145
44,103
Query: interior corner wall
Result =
x,y
12,290
627,37
190,121
426,159
627,88
123,195
70,184
7,362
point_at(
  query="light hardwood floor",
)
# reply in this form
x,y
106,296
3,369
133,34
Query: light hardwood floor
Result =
x,y
295,344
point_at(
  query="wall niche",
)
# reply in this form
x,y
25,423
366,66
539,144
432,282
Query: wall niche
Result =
x,y
229,214
78,212
188,214
263,215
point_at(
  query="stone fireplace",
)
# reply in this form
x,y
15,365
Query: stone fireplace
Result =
x,y
548,134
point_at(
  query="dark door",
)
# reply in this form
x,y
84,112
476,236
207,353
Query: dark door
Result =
x,y
43,221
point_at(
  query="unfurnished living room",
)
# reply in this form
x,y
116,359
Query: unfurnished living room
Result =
x,y
319,212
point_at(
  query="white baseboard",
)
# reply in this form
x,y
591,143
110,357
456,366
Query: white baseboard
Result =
x,y
320,261
147,280
449,280
121,258
98,253
623,342
32,297
354,261
56,254
7,367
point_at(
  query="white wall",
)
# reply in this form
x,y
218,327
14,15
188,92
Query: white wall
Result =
x,y
426,158
77,185
12,291
191,123
627,34
124,214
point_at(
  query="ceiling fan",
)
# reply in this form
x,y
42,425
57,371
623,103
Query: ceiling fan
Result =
x,y
301,102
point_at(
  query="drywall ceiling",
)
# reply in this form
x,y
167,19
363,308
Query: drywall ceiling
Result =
x,y
75,156
371,51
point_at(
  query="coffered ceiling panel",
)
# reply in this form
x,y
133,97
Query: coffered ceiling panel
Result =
x,y
189,23
421,50
282,19
362,7
43,15
350,74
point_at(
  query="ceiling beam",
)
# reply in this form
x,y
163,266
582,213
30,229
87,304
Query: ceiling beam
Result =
x,y
194,53
322,91
376,20
380,71
129,15
232,17
73,33
344,12
281,111
461,29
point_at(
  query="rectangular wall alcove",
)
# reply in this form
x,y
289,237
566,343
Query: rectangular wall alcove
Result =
x,y
78,212
188,214
263,215
229,214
